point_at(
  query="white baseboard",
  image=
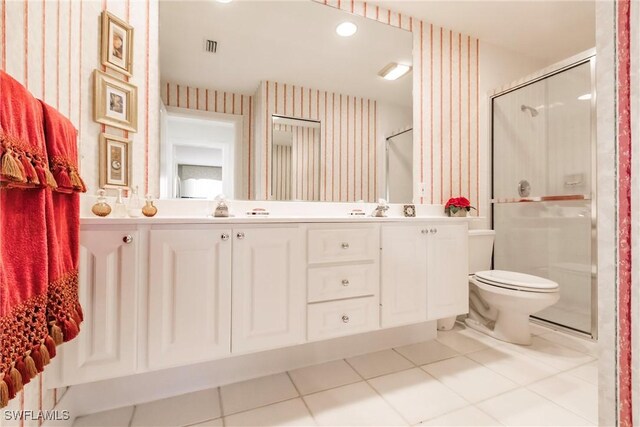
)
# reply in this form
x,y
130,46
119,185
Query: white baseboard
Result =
x,y
100,396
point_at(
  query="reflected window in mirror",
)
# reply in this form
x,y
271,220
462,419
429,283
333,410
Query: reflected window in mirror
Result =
x,y
198,154
268,64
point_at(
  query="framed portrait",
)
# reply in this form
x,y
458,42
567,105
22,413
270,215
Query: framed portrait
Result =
x,y
115,161
115,102
117,44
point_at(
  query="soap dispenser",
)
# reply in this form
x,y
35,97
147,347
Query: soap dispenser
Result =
x,y
222,210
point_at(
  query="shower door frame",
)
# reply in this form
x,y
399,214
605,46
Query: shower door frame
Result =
x,y
589,57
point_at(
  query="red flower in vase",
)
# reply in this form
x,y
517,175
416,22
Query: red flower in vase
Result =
x,y
456,204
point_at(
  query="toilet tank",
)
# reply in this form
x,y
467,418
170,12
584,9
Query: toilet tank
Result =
x,y
480,250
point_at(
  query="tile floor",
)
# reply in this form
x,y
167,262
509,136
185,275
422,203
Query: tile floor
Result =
x,y
462,378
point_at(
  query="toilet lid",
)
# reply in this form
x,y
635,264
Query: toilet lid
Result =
x,y
519,281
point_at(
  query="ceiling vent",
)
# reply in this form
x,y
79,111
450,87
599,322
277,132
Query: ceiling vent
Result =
x,y
211,46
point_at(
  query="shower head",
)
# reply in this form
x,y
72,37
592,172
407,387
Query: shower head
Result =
x,y
531,110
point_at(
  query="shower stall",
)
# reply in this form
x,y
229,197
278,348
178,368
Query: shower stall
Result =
x,y
543,187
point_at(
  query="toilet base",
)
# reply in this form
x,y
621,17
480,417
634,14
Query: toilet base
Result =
x,y
510,327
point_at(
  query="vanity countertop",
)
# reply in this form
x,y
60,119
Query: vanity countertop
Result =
x,y
271,219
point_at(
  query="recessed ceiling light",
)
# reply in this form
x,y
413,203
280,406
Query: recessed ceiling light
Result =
x,y
585,97
224,1
346,29
394,71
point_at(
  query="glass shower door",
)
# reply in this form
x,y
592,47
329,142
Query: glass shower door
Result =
x,y
543,204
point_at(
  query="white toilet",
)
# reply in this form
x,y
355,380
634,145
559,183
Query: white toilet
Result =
x,y
500,302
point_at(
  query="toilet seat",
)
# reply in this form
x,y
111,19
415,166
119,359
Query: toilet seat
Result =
x,y
516,281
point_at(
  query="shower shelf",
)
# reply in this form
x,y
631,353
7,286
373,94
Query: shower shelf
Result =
x,y
542,198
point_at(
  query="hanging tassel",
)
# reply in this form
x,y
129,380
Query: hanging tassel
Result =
x,y
76,180
29,171
42,177
50,180
11,168
56,334
46,359
37,358
16,379
21,366
9,382
62,178
70,329
79,311
4,394
32,371
51,345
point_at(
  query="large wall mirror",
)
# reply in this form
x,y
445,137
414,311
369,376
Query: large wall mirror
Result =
x,y
289,106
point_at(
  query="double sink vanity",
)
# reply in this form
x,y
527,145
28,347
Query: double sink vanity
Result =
x,y
173,291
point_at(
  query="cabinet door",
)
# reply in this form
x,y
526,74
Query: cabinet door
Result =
x,y
269,289
448,271
404,275
108,281
189,296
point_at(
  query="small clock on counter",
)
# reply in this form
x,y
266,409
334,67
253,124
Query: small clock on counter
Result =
x,y
409,211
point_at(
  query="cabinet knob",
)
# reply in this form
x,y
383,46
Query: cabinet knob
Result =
x,y
224,237
435,230
240,235
127,239
345,318
424,231
345,282
345,245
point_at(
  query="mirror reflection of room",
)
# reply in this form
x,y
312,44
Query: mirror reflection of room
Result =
x,y
314,107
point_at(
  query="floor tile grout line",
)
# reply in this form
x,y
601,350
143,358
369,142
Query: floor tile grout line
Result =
x,y
133,413
219,388
559,404
393,408
301,397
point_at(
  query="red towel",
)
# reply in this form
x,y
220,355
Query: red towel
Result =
x,y
25,345
63,226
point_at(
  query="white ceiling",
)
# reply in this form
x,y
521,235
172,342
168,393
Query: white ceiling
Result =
x,y
291,42
546,30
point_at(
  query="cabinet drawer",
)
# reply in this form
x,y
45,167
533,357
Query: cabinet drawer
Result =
x,y
343,245
345,317
330,283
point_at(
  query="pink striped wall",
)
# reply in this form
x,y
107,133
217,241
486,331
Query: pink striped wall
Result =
x,y
348,152
52,47
446,124
282,172
216,101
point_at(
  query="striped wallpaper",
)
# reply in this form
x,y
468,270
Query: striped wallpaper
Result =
x,y
52,48
446,103
302,168
203,99
282,164
349,152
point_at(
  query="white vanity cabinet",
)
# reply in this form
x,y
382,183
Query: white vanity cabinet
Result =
x,y
189,295
162,294
108,278
447,270
424,271
269,287
403,297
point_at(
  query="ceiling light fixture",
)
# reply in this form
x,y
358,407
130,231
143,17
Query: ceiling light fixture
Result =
x,y
585,97
224,1
346,29
394,71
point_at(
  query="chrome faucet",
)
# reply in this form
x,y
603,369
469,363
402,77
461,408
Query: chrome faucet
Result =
x,y
381,210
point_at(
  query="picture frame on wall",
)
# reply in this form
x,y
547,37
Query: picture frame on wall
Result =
x,y
115,161
117,44
115,102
